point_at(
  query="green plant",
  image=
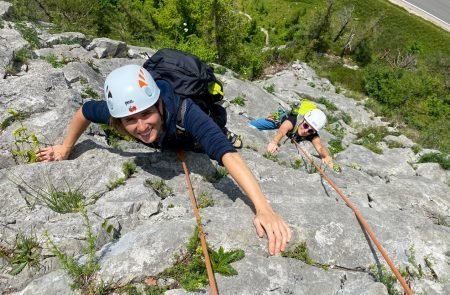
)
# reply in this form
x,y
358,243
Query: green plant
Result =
x,y
28,33
370,136
59,200
220,70
411,254
384,276
271,156
311,84
83,275
189,268
159,187
22,56
239,100
26,252
300,252
25,145
328,104
251,147
90,93
442,159
298,162
116,183
346,118
113,136
55,61
170,205
205,200
219,173
335,146
416,148
128,169
270,89
394,144
13,117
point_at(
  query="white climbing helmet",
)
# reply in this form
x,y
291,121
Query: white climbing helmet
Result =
x,y
130,89
316,119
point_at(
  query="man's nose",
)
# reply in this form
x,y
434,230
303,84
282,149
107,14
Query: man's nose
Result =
x,y
141,125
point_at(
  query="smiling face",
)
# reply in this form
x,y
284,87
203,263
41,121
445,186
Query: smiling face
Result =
x,y
305,129
145,126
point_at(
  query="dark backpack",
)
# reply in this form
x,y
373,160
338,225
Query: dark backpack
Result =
x,y
188,75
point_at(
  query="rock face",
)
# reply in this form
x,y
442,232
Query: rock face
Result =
x,y
406,204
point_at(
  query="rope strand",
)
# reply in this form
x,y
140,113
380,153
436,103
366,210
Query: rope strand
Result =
x,y
361,220
212,281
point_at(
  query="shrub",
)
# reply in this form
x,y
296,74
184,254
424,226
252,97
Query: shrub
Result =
x,y
26,252
128,169
270,89
205,200
370,136
442,159
159,187
239,100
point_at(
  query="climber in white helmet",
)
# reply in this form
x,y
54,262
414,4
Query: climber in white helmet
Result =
x,y
138,106
299,128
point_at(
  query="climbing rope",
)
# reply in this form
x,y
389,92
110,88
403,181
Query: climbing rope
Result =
x,y
360,219
212,281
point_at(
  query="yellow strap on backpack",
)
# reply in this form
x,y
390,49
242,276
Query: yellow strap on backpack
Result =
x,y
215,88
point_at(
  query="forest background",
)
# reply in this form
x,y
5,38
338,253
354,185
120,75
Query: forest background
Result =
x,y
366,48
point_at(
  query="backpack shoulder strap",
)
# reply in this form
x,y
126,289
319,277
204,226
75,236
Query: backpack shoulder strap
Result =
x,y
180,115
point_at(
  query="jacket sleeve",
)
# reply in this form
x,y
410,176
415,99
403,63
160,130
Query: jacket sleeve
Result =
x,y
96,111
206,132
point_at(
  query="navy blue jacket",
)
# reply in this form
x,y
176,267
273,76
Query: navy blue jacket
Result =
x,y
198,126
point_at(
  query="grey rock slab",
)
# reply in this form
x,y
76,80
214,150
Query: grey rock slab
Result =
x,y
433,171
391,162
146,251
10,42
67,38
402,139
105,47
54,283
6,10
83,73
65,53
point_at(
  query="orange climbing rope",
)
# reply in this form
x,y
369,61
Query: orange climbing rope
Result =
x,y
360,219
212,281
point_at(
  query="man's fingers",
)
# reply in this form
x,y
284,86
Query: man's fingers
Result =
x,y
259,228
271,238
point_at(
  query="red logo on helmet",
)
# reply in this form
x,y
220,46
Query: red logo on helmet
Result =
x,y
132,109
141,76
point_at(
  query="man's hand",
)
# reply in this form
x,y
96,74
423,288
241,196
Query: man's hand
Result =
x,y
273,147
53,153
278,232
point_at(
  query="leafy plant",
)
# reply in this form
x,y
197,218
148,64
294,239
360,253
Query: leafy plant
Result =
x,y
113,136
116,183
189,268
220,260
335,146
83,275
62,201
270,89
416,148
271,156
297,164
328,104
239,100
26,252
54,61
394,144
386,277
442,159
13,117
205,200
159,187
300,252
28,33
128,169
25,145
218,174
22,56
370,136
90,93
